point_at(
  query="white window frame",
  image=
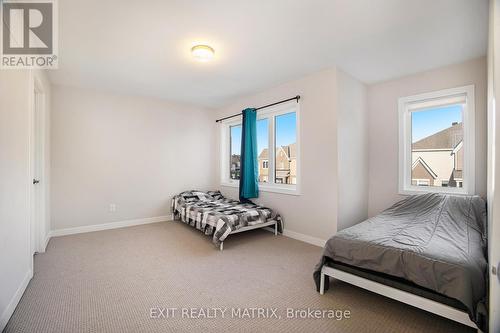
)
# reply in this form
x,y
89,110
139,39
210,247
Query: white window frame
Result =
x,y
444,97
269,113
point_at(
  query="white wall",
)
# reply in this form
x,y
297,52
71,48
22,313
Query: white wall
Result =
x,y
15,179
313,212
133,152
494,164
14,227
383,125
352,151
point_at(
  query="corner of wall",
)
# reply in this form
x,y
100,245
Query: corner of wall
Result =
x,y
352,152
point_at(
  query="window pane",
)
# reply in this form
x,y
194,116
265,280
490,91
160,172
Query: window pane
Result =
x,y
263,149
234,168
437,146
286,149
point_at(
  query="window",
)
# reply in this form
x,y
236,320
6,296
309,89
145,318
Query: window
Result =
x,y
436,142
286,159
234,161
278,168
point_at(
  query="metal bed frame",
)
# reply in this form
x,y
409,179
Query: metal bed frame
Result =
x,y
247,228
420,302
251,227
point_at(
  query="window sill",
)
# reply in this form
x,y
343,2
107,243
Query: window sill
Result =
x,y
266,188
440,190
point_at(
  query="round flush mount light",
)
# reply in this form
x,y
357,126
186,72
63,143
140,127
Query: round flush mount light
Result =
x,y
202,52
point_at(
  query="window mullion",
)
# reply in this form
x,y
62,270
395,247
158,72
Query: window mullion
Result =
x,y
226,152
228,164
272,151
408,150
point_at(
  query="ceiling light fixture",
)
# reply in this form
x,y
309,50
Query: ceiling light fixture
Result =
x,y
202,52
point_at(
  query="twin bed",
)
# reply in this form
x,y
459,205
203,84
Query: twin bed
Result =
x,y
427,250
219,217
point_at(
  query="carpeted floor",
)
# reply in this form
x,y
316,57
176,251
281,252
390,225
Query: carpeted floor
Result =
x,y
108,281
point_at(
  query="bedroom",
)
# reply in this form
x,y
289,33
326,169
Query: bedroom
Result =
x,y
104,146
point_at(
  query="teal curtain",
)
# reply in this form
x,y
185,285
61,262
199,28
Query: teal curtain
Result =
x,y
249,172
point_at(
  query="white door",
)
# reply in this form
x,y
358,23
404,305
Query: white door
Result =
x,y
37,202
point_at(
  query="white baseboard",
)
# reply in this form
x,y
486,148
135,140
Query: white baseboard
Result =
x,y
305,238
9,310
301,237
47,239
128,223
107,226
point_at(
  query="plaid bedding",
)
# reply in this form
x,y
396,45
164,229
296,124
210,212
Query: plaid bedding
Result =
x,y
217,216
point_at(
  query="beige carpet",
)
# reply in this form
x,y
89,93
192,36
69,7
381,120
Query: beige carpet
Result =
x,y
108,281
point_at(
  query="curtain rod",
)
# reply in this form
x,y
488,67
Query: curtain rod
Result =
x,y
262,107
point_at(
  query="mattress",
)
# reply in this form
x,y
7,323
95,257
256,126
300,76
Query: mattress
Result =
x,y
398,283
434,241
218,216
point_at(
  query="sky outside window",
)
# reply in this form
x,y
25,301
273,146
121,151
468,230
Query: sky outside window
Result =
x,y
235,140
285,126
429,121
262,135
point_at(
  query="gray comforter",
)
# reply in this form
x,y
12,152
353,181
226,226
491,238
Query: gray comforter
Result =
x,y
435,241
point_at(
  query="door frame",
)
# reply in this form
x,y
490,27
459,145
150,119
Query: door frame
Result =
x,y
37,143
494,166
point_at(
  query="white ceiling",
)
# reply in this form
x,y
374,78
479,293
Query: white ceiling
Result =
x,y
142,47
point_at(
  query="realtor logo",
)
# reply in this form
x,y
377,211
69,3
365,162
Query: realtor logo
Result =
x,y
29,34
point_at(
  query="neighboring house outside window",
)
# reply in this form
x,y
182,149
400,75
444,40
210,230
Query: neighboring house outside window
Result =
x,y
439,156
235,166
421,182
286,173
437,142
264,165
